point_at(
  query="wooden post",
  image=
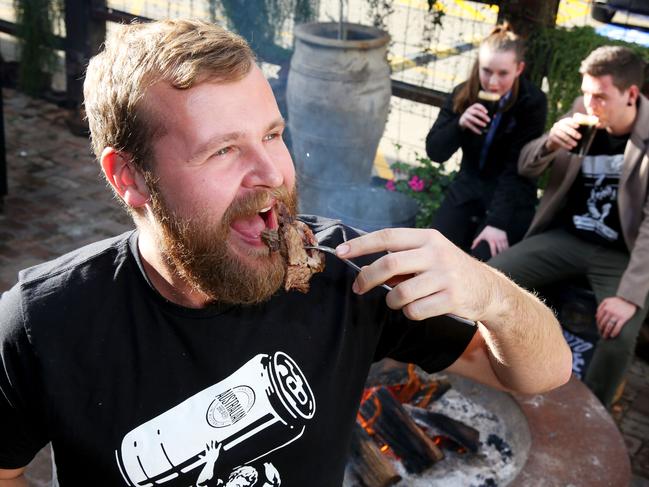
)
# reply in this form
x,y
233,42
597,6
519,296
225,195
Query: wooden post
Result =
x,y
529,17
84,35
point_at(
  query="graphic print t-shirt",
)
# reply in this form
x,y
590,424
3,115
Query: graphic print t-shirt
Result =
x,y
133,390
591,212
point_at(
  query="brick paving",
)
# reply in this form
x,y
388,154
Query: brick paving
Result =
x,y
631,413
58,201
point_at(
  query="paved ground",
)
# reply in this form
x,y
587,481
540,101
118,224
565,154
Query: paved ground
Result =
x,y
57,202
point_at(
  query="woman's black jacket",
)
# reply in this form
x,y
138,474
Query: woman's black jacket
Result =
x,y
497,184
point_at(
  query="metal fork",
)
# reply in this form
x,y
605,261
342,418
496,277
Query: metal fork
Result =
x,y
332,251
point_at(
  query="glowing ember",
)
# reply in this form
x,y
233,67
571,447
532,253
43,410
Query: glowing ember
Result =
x,y
455,423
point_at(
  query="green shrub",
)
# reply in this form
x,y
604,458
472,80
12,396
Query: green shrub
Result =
x,y
556,54
36,22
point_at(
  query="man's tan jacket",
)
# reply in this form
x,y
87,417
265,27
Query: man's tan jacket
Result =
x,y
633,204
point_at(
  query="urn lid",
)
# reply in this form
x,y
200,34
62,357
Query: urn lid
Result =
x,y
356,36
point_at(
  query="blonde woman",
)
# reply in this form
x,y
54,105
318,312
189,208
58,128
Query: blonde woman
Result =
x,y
489,206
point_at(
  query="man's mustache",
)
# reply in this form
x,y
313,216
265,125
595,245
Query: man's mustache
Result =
x,y
250,203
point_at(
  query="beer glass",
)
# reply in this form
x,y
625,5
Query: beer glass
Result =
x,y
491,101
587,128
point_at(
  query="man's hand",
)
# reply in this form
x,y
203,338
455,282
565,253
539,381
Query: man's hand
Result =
x,y
475,118
612,314
430,275
13,478
495,237
519,345
563,135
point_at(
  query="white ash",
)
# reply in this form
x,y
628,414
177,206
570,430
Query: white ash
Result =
x,y
488,466
504,440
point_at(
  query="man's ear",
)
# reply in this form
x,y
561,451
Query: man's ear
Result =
x,y
128,182
634,92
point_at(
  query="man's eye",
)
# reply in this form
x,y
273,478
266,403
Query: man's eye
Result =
x,y
271,136
222,152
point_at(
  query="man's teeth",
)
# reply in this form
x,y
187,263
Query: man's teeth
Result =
x,y
265,210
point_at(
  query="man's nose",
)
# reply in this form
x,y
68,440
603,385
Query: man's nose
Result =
x,y
589,101
265,171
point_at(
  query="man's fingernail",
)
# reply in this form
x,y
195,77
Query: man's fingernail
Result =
x,y
355,287
342,249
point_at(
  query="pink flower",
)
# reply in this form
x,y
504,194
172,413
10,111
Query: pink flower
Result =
x,y
390,185
416,184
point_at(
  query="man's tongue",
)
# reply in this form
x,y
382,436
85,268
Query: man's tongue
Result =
x,y
250,227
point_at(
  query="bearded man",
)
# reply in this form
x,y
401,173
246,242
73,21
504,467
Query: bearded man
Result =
x,y
171,355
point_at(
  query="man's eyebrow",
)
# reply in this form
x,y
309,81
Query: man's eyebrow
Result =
x,y
277,123
599,94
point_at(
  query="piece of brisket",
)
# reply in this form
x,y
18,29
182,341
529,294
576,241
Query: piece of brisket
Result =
x,y
289,239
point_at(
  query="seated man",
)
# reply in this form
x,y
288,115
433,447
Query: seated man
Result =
x,y
592,220
171,355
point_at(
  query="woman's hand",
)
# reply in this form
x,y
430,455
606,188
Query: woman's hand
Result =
x,y
475,118
495,237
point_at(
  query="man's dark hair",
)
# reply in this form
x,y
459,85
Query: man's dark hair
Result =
x,y
625,66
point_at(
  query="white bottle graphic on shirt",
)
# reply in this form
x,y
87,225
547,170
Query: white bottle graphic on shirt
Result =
x,y
267,401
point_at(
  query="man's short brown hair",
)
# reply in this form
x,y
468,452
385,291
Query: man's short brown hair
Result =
x,y
179,52
624,66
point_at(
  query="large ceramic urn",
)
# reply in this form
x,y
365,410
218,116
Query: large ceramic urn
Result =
x,y
338,96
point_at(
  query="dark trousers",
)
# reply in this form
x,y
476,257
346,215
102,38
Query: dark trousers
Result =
x,y
462,222
556,255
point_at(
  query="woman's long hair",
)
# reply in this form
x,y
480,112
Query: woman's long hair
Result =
x,y
502,38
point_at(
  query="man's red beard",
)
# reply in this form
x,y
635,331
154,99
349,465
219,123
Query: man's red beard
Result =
x,y
196,249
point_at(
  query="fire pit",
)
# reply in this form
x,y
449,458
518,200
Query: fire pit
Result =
x,y
574,440
560,438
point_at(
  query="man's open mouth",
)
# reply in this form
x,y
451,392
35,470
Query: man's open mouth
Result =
x,y
269,216
251,227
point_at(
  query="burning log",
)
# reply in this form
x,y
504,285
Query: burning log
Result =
x,y
408,387
440,425
387,372
429,393
386,420
372,468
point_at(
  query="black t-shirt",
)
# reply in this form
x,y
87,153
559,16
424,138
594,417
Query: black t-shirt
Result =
x,y
132,389
591,211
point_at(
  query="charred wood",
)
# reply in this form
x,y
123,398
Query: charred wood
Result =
x,y
437,423
371,467
387,372
407,385
429,392
389,423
